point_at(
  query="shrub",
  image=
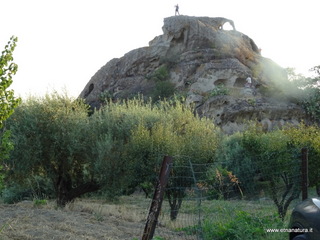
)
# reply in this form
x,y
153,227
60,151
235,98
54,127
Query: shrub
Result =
x,y
15,193
219,90
222,183
162,90
242,226
267,161
160,74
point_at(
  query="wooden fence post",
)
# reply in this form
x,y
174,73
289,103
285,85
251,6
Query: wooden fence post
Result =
x,y
157,199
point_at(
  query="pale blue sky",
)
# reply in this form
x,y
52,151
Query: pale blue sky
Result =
x,y
62,43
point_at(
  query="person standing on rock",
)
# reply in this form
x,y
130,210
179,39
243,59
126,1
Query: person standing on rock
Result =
x,y
177,10
249,82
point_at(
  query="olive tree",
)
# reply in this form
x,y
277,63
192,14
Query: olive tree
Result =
x,y
53,140
269,162
171,128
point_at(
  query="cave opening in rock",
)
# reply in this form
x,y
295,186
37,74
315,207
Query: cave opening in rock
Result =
x,y
91,87
240,82
220,82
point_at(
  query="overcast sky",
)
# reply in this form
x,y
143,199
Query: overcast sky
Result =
x,y
62,43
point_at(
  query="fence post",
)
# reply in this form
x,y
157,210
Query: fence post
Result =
x,y
157,199
199,229
304,173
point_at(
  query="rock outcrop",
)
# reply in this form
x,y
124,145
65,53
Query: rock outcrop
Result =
x,y
210,66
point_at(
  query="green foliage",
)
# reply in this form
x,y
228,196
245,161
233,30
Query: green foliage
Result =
x,y
142,133
236,159
162,90
251,101
221,182
270,161
242,226
15,193
105,96
7,100
5,147
52,135
39,202
163,87
309,137
5,144
158,238
307,89
116,148
311,102
161,74
7,69
219,91
237,219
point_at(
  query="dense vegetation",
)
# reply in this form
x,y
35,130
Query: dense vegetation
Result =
x,y
114,150
119,148
270,161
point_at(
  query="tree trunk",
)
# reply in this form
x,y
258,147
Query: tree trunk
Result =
x,y
318,190
63,187
174,209
65,193
175,198
290,193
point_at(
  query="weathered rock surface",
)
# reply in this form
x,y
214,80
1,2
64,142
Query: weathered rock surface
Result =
x,y
198,57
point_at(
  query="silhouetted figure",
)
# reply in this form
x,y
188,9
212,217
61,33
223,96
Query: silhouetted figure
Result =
x,y
248,82
177,10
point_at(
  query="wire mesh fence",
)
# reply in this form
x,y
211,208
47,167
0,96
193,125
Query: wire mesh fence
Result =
x,y
201,199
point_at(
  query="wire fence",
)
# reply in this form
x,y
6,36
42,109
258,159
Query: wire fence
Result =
x,y
200,198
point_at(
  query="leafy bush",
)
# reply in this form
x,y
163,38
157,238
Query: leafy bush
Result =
x,y
163,87
39,202
161,74
162,90
33,187
270,161
221,183
144,133
219,90
7,100
242,226
308,137
15,193
7,69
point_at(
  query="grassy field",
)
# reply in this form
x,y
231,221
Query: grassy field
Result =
x,y
124,220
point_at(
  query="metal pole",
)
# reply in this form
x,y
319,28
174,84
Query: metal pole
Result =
x,y
157,199
304,173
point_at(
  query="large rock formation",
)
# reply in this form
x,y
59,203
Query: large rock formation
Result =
x,y
210,66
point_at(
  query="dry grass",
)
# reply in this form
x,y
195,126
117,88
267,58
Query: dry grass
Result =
x,y
83,219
